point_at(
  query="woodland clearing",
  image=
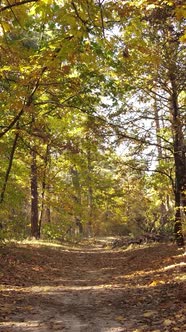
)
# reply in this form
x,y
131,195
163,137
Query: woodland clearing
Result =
x,y
88,287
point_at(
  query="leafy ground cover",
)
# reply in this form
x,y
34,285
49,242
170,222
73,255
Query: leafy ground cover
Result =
x,y
85,288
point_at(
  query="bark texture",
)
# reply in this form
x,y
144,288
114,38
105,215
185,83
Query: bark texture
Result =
x,y
34,196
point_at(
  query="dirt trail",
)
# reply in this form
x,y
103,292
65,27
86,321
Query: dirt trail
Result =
x,y
45,289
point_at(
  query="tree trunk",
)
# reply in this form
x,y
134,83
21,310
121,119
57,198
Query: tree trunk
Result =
x,y
177,194
178,223
9,167
79,224
183,198
179,161
77,198
34,196
90,195
8,171
44,209
157,122
163,207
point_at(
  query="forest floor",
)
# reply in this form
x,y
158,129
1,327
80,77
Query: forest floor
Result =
x,y
88,288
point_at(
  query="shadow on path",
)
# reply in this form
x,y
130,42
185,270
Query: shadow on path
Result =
x,y
51,289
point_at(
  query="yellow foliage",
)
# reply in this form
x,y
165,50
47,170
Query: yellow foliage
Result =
x,y
48,2
180,12
183,38
5,26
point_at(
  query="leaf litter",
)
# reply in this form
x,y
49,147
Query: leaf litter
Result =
x,y
47,288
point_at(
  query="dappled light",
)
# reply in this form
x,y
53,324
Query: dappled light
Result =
x,y
92,166
50,289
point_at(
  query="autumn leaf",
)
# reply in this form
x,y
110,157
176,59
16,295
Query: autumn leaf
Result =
x,y
168,322
156,282
120,319
149,313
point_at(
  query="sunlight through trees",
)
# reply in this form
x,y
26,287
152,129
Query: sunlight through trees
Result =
x,y
92,121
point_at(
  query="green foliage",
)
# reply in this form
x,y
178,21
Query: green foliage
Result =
x,y
53,231
81,81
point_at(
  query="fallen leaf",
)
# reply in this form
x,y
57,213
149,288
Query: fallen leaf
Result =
x,y
149,313
167,322
119,318
156,282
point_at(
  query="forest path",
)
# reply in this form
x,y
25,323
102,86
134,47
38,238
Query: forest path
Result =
x,y
90,289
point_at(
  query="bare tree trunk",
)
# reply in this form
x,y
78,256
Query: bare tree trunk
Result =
x,y
34,195
179,161
90,195
77,198
79,224
157,122
44,187
178,222
48,214
163,208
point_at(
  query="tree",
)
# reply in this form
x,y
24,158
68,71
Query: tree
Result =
x,y
88,73
156,76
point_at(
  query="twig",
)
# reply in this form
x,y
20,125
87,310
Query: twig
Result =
x,y
102,19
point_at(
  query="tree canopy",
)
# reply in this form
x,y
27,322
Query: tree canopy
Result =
x,y
92,122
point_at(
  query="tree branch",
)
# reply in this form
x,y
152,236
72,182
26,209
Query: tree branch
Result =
x,y
102,19
9,167
77,13
26,104
15,4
